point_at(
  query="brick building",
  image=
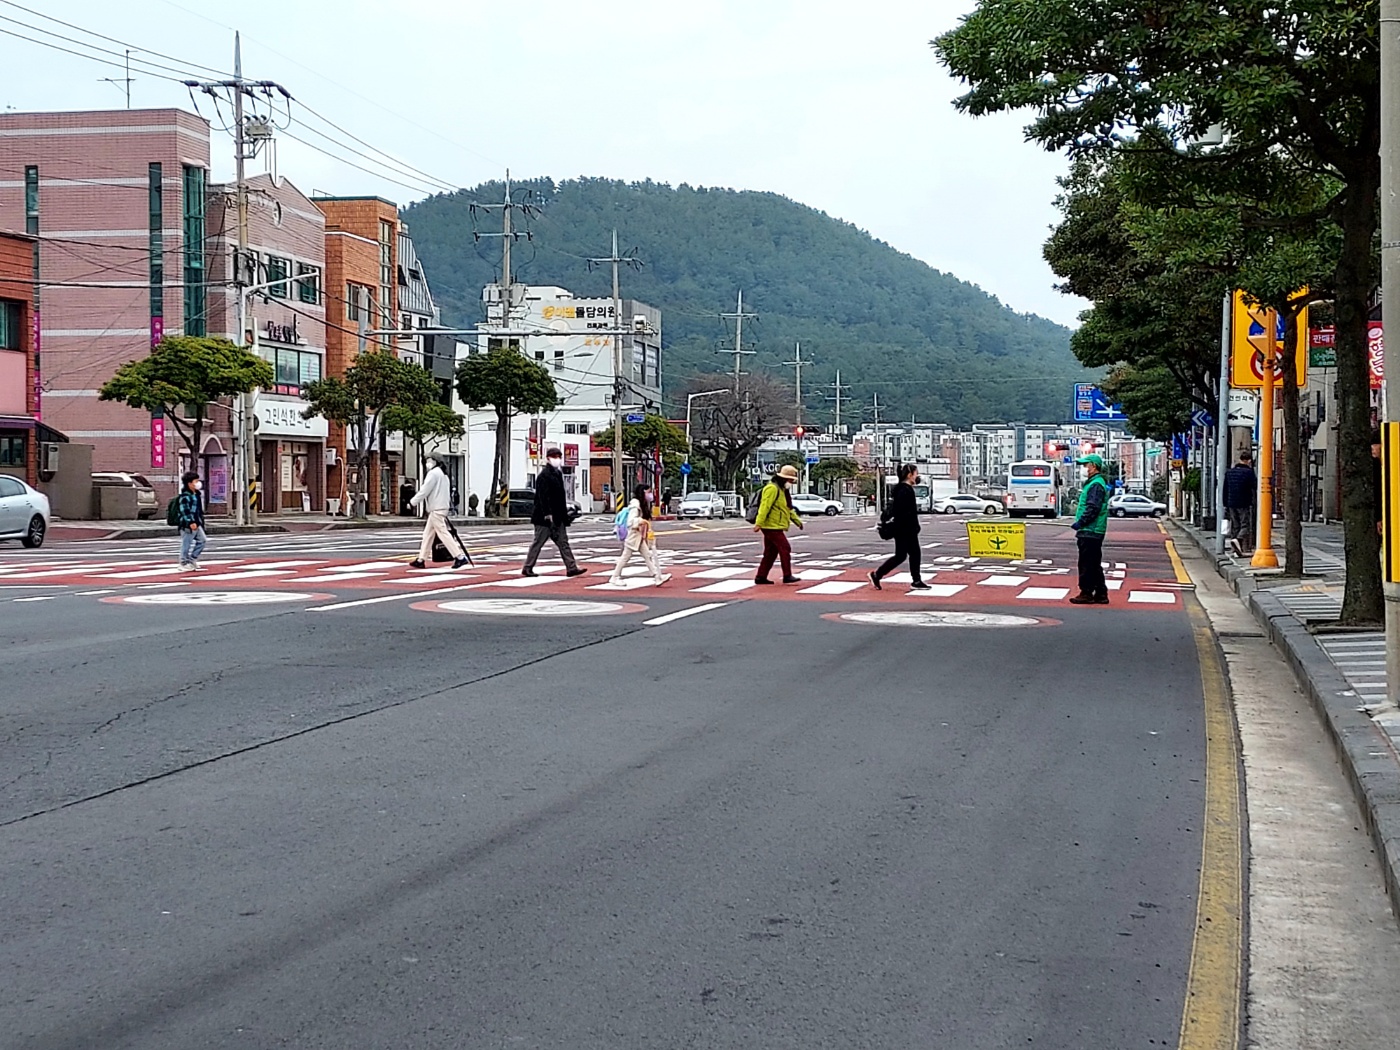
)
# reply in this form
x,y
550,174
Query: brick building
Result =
x,y
287,324
118,202
360,282
18,400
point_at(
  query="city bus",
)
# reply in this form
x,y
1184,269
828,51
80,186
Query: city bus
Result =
x,y
1033,487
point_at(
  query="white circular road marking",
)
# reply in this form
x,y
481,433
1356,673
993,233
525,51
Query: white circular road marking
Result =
x,y
938,618
528,607
217,598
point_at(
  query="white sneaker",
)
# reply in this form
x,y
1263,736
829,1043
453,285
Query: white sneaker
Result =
x,y
186,567
196,566
614,584
662,578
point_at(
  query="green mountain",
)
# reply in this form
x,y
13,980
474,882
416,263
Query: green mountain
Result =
x,y
931,345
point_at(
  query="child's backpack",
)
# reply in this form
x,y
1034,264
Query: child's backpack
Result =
x,y
172,513
620,523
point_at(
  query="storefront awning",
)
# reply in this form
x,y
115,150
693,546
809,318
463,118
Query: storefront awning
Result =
x,y
42,431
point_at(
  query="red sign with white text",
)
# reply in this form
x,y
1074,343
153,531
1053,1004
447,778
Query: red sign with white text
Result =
x,y
157,441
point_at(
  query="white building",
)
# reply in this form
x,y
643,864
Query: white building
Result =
x,y
578,351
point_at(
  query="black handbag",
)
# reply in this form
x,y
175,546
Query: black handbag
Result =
x,y
440,551
885,530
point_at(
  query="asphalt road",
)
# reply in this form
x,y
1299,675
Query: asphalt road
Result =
x,y
356,819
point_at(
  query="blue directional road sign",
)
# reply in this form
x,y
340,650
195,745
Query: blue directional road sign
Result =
x,y
1202,418
1090,405
812,457
635,417
686,468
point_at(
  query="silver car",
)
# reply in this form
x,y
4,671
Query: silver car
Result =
x,y
702,505
24,512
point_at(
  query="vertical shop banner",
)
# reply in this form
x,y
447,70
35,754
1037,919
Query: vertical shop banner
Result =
x,y
1375,352
218,479
157,442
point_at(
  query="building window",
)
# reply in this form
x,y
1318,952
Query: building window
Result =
x,y
194,251
355,294
156,239
386,272
308,284
539,355
11,325
12,451
295,369
559,360
278,269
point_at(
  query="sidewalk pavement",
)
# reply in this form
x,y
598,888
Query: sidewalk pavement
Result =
x,y
1341,669
60,529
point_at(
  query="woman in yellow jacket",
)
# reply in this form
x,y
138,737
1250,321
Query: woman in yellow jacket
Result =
x,y
775,514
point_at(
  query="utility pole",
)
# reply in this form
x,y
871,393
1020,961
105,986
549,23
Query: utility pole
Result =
x,y
1390,293
125,81
879,458
620,385
838,386
508,236
246,148
739,352
797,363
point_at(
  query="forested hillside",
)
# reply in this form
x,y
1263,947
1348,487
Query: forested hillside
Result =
x,y
932,346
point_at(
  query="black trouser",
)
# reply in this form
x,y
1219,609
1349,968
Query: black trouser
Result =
x,y
560,535
905,546
1091,581
1241,525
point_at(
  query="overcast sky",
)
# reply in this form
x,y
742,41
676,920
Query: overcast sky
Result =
x,y
838,105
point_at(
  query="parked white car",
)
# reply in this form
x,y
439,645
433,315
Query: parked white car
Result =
x,y
966,503
702,505
1130,504
24,512
808,503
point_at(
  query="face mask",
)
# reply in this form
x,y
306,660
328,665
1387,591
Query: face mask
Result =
x,y
554,461
647,495
196,485
432,463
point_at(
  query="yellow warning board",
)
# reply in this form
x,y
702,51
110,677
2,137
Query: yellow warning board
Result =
x,y
987,539
1390,500
1256,331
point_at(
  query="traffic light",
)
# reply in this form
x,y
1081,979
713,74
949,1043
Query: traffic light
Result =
x,y
799,432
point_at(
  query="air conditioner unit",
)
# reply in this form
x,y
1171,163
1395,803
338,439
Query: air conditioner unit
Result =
x,y
48,457
332,456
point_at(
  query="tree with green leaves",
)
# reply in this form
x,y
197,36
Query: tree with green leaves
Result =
x,y
654,437
422,424
1293,78
377,381
506,380
189,373
827,472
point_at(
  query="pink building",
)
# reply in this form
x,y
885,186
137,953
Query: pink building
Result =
x,y
287,324
118,202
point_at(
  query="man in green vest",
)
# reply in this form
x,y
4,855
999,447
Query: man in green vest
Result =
x,y
1090,524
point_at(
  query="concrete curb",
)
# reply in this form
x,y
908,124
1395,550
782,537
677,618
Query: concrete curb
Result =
x,y
1365,752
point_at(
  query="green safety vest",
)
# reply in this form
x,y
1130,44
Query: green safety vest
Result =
x,y
1099,525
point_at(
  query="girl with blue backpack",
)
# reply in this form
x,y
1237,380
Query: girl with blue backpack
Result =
x,y
633,527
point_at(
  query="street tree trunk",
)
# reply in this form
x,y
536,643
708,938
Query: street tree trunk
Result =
x,y
1292,449
1362,601
360,494
500,470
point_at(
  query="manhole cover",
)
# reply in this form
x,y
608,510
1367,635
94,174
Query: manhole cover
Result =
x,y
217,598
936,618
528,607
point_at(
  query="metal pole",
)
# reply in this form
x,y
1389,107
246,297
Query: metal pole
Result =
x,y
685,474
619,489
244,511
1264,556
1390,290
738,340
1222,423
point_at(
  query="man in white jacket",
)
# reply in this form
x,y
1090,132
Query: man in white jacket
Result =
x,y
436,498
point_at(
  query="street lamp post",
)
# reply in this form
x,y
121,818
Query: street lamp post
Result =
x,y
689,400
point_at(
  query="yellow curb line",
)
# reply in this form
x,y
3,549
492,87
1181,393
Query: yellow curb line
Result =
x,y
1211,1014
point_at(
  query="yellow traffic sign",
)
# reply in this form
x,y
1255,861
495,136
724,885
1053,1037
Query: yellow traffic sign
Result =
x,y
986,539
1390,500
1252,329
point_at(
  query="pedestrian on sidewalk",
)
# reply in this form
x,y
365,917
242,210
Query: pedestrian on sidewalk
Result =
x,y
902,512
640,538
1090,525
435,497
550,516
1241,487
191,522
775,514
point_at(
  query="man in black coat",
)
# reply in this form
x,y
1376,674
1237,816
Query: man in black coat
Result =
x,y
1241,485
902,512
551,516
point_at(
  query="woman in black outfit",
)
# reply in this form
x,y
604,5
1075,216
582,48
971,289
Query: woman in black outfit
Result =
x,y
903,512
